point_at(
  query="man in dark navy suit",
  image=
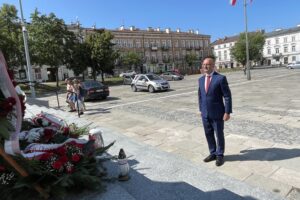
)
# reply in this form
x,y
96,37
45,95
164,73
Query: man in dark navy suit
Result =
x,y
215,106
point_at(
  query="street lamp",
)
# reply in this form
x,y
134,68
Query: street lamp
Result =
x,y
25,37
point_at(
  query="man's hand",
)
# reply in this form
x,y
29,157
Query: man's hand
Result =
x,y
226,117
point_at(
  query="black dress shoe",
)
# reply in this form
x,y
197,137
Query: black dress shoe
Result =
x,y
210,158
219,161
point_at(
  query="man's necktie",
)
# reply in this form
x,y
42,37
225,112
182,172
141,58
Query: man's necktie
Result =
x,y
207,83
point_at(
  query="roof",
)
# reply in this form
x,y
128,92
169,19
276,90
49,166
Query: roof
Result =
x,y
283,32
225,40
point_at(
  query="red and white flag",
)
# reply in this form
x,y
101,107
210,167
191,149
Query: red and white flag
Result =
x,y
232,2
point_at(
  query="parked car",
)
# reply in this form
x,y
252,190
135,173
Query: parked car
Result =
x,y
172,76
295,65
128,73
128,79
150,82
94,90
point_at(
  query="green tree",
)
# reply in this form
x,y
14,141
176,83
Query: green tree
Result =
x,y
256,43
101,51
132,60
11,41
190,59
50,41
80,58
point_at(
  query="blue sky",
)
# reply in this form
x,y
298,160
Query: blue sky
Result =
x,y
213,17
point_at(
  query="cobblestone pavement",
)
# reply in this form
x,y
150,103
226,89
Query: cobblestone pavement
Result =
x,y
263,140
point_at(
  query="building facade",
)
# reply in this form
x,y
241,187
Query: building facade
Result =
x,y
162,50
282,46
221,50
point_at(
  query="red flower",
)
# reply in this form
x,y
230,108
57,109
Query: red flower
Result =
x,y
75,158
45,156
66,131
79,145
63,159
70,170
48,134
61,150
2,168
11,100
57,165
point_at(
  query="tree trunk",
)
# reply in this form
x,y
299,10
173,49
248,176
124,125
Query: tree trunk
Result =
x,y
102,76
56,71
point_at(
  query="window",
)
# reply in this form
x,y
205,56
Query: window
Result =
x,y
277,50
277,40
22,74
224,45
293,48
285,39
294,58
38,74
269,42
225,55
293,38
219,55
285,49
269,51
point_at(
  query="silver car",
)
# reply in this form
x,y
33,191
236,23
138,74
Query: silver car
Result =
x,y
295,65
150,82
171,76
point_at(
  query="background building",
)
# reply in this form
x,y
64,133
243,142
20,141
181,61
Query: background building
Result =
x,y
221,50
162,49
282,46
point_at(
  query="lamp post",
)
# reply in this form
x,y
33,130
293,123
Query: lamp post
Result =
x,y
29,69
247,43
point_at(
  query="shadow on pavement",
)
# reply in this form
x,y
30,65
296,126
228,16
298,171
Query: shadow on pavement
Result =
x,y
103,100
141,187
95,111
265,154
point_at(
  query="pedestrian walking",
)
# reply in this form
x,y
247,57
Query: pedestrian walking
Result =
x,y
71,97
80,101
215,105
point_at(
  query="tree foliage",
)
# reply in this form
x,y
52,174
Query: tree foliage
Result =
x,y
11,41
132,60
101,51
191,59
256,43
51,42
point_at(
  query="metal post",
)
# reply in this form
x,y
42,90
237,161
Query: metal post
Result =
x,y
247,44
29,69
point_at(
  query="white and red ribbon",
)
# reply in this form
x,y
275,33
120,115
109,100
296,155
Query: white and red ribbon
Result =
x,y
12,145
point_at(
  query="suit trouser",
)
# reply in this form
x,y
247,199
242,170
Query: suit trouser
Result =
x,y
212,127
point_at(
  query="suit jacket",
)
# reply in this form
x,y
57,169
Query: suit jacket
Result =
x,y
217,100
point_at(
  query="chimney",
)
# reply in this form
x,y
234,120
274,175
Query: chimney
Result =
x,y
197,32
149,28
168,30
178,30
132,28
122,28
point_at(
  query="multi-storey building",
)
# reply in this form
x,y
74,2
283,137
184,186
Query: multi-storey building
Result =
x,y
221,50
282,46
162,50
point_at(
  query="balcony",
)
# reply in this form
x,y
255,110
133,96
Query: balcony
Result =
x,y
153,48
165,48
189,48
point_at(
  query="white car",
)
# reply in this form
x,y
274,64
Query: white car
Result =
x,y
128,73
295,65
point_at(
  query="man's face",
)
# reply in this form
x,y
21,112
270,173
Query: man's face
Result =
x,y
208,66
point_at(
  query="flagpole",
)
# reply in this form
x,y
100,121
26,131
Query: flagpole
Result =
x,y
29,68
247,43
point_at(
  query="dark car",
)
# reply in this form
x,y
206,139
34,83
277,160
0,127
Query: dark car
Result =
x,y
94,90
128,79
